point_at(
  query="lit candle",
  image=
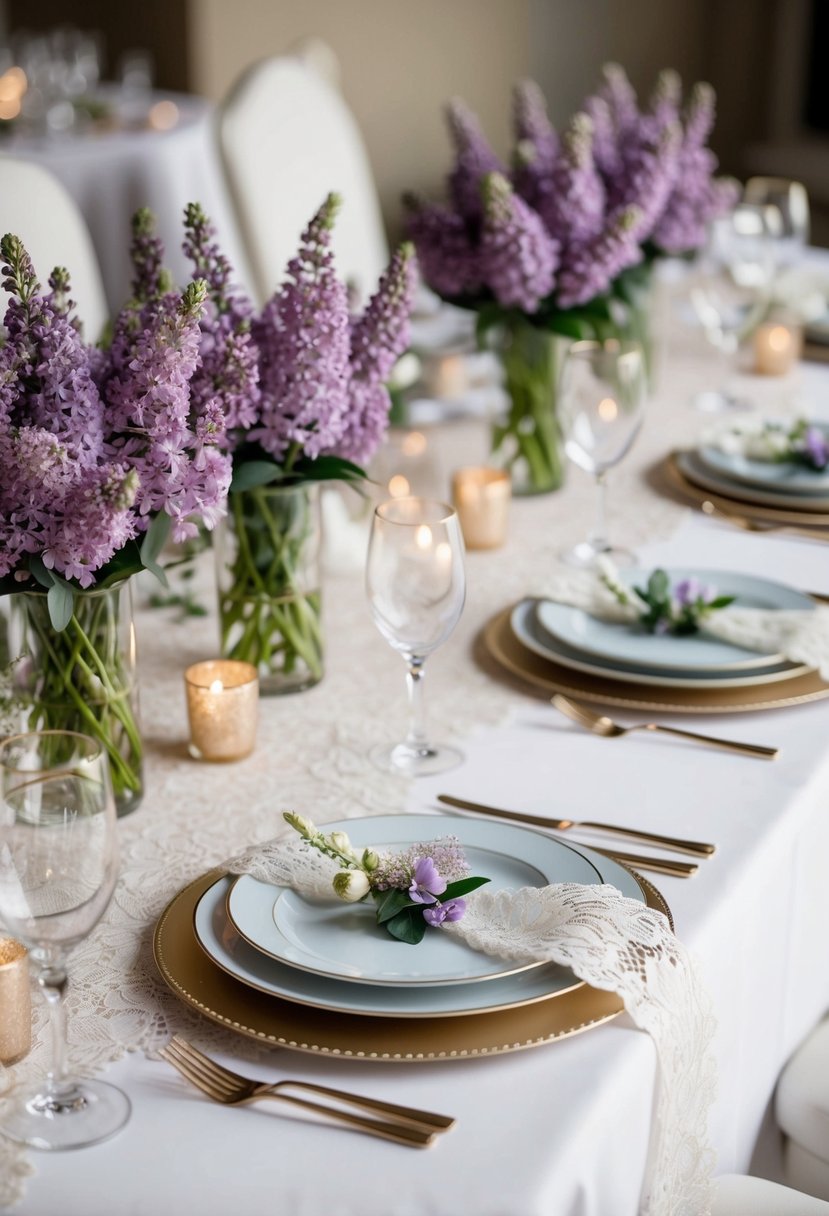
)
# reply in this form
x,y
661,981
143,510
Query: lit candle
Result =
x,y
15,1001
223,708
776,348
481,496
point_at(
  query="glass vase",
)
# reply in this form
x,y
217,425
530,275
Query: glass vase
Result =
x,y
526,440
81,678
268,572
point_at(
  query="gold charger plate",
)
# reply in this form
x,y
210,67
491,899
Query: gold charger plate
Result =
x,y
501,644
817,521
200,983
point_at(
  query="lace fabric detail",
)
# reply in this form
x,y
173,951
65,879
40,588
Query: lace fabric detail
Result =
x,y
613,943
800,636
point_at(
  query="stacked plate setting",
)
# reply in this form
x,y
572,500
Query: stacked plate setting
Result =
x,y
771,488
627,653
332,956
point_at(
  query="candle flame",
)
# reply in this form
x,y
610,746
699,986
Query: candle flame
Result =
x,y
779,338
608,410
398,486
423,536
414,444
217,686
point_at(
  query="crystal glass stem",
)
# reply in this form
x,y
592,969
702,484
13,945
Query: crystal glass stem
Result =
x,y
53,983
416,737
598,537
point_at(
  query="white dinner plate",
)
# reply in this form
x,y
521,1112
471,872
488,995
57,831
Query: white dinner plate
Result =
x,y
693,468
697,653
220,941
785,476
530,633
343,941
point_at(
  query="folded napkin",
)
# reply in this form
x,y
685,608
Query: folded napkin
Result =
x,y
802,636
611,942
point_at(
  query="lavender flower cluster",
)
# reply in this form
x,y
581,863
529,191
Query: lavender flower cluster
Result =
x,y
577,208
397,870
93,443
303,379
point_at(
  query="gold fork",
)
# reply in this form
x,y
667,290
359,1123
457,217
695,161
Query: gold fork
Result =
x,y
415,1128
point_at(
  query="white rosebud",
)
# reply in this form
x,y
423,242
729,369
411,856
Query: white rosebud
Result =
x,y
351,885
304,826
340,841
370,860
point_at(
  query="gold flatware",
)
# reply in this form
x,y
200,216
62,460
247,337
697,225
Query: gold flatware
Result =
x,y
758,525
405,1125
600,724
658,865
696,847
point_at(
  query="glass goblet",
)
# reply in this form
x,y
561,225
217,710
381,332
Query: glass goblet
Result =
x,y
601,404
58,868
416,587
732,290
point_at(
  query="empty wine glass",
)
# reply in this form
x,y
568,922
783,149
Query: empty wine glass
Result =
x,y
732,289
790,200
602,396
416,587
58,868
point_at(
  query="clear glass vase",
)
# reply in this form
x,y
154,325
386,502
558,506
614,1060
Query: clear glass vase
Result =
x,y
81,678
268,572
526,440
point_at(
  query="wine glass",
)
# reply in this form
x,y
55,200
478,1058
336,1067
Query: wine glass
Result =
x,y
733,287
416,586
790,200
602,396
58,868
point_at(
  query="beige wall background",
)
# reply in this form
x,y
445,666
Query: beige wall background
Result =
x,y
400,60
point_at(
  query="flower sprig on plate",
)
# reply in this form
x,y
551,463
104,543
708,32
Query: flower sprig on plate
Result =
x,y
421,886
777,442
680,609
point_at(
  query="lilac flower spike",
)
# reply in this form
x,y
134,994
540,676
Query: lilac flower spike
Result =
x,y
474,159
536,145
518,255
590,268
575,210
426,883
447,258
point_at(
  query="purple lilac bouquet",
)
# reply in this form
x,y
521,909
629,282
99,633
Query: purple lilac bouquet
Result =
x,y
421,886
563,241
104,452
302,387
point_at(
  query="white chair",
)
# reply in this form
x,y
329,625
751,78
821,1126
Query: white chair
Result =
x,y
287,139
36,207
737,1195
802,1112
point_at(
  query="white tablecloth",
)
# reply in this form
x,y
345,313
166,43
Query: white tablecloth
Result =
x,y
111,174
561,1130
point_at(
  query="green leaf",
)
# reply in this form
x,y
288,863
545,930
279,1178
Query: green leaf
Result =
x,y
408,926
391,903
121,566
462,887
61,602
328,468
659,586
254,473
39,571
155,538
722,601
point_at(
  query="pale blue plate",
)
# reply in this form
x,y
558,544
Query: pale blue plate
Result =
x,y
530,633
698,653
218,938
785,476
691,467
343,941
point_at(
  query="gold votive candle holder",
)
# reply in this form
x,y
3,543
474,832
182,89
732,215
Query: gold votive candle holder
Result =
x,y
223,708
481,496
15,1001
777,346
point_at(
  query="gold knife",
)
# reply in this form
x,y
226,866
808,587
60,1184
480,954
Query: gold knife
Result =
x,y
696,848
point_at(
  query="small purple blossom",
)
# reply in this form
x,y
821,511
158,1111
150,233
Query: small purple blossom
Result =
x,y
452,910
426,882
816,447
691,591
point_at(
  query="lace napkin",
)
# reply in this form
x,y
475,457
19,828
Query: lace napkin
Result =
x,y
802,636
611,942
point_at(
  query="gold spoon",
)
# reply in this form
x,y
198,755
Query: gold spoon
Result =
x,y
601,725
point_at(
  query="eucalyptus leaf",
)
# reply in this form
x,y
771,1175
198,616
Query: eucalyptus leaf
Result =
x,y
61,603
390,903
408,926
39,571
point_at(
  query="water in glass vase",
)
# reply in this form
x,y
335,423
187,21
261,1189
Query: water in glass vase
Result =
x,y
268,571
